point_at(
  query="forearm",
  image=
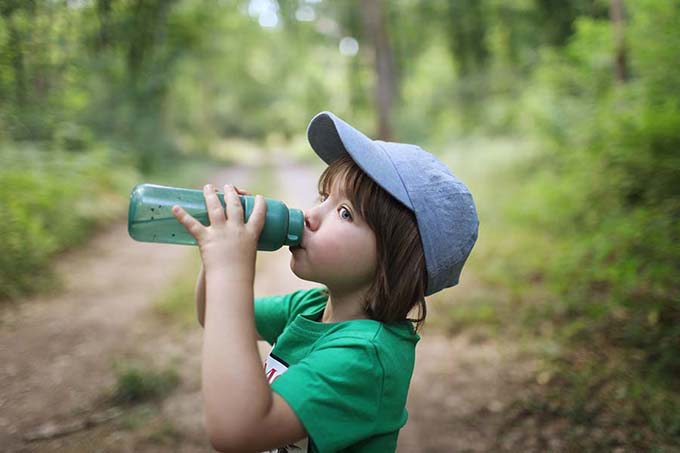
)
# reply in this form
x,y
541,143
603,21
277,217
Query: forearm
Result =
x,y
200,300
235,390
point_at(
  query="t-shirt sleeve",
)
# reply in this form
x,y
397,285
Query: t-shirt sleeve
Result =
x,y
271,314
274,313
336,392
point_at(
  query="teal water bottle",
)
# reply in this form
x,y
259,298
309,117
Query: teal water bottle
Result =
x,y
150,217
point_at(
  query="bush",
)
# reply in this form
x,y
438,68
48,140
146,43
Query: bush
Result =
x,y
604,189
51,200
604,193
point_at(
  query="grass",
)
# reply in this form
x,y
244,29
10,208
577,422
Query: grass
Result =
x,y
137,417
165,434
146,425
136,383
176,302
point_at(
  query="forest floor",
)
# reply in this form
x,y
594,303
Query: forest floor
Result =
x,y
58,354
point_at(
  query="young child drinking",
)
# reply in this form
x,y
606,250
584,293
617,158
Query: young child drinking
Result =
x,y
392,226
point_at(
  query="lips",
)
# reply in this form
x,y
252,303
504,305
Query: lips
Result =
x,y
300,245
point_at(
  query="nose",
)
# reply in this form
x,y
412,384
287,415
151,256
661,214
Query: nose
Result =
x,y
312,219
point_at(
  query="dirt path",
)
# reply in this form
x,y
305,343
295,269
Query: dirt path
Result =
x,y
57,352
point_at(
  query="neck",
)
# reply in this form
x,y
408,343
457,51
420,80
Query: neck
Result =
x,y
344,306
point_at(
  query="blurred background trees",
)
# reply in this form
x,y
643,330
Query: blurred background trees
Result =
x,y
100,93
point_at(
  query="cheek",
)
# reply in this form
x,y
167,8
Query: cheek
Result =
x,y
355,255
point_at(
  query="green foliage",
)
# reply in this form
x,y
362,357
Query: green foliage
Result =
x,y
50,201
608,189
598,206
136,384
591,376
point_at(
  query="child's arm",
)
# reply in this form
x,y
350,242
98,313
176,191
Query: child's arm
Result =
x,y
241,411
200,300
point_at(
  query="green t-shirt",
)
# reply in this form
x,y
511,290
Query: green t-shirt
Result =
x,y
347,382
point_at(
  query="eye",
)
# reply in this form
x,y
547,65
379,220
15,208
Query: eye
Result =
x,y
345,214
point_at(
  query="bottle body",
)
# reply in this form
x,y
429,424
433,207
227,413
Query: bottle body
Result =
x,y
150,217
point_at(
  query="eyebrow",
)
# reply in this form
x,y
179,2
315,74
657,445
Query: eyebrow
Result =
x,y
342,192
345,197
339,182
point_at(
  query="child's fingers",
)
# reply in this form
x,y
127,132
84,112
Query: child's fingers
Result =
x,y
193,226
213,206
257,217
234,208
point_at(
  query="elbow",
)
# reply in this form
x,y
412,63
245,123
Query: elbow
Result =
x,y
230,444
221,446
228,439
238,429
222,443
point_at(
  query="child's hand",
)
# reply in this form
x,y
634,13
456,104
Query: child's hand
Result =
x,y
227,244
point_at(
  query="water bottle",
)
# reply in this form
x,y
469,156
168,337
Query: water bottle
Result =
x,y
150,217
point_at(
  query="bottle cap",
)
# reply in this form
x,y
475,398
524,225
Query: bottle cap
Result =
x,y
296,225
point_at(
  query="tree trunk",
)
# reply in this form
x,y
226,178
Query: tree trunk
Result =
x,y
104,16
385,84
620,58
15,46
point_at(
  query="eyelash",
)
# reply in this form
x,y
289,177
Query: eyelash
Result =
x,y
350,214
322,198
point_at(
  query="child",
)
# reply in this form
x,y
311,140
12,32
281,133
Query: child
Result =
x,y
393,225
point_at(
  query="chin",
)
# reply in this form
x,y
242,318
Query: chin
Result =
x,y
302,273
297,269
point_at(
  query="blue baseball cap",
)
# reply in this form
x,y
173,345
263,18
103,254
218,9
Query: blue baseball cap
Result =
x,y
443,206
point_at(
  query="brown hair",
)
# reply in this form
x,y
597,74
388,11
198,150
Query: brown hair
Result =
x,y
401,277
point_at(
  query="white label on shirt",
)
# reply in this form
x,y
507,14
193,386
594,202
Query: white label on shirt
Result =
x,y
274,367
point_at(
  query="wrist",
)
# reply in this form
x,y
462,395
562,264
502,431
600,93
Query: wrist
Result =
x,y
230,271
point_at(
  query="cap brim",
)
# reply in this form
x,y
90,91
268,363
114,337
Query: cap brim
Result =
x,y
331,138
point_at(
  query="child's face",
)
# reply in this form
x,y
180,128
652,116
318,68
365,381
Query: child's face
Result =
x,y
338,247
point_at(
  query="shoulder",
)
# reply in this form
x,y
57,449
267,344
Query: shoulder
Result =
x,y
305,301
389,348
375,333
381,343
